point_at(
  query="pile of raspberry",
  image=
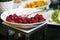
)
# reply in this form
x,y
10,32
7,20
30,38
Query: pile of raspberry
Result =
x,y
19,19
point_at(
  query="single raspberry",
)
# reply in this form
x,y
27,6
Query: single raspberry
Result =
x,y
41,20
19,17
13,21
40,16
16,21
19,21
8,18
36,16
29,20
33,20
15,16
24,20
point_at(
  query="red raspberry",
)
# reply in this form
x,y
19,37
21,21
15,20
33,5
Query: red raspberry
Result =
x,y
40,16
33,20
29,20
36,16
19,17
41,20
19,21
12,21
12,17
8,18
15,16
16,21
24,20
37,20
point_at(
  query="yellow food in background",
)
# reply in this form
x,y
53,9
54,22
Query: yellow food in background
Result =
x,y
16,1
36,4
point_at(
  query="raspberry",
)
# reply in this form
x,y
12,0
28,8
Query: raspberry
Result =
x,y
19,21
41,20
15,16
40,16
12,17
19,17
16,21
36,16
12,21
33,20
29,20
24,20
8,18
37,19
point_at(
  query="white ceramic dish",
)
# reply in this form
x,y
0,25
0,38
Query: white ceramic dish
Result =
x,y
24,3
49,15
20,12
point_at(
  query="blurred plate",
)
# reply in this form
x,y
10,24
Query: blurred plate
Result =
x,y
24,3
20,12
49,15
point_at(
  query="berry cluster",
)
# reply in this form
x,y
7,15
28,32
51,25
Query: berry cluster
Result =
x,y
19,19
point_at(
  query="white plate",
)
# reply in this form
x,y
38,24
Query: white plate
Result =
x,y
21,11
49,15
24,3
